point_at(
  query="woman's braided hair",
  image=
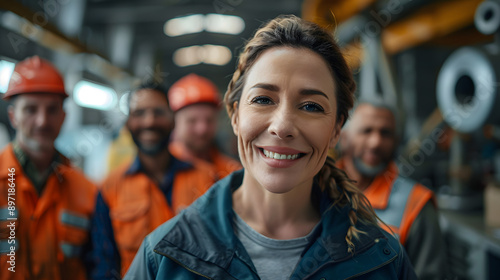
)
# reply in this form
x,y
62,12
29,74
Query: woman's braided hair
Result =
x,y
291,31
329,177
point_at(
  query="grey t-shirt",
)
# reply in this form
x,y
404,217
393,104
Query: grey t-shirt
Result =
x,y
274,259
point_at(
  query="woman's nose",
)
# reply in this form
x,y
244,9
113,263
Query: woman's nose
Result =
x,y
283,123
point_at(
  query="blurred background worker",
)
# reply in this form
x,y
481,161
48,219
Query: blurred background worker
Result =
x,y
138,197
53,200
196,103
408,208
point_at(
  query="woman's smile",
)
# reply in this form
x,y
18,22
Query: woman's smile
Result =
x,y
280,157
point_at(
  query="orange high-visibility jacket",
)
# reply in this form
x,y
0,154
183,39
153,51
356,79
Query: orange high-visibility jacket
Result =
x,y
137,205
219,167
396,200
50,230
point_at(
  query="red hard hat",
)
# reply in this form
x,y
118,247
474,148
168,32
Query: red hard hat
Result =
x,y
35,75
192,89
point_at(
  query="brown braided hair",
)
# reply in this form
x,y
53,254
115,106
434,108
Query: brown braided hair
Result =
x,y
291,31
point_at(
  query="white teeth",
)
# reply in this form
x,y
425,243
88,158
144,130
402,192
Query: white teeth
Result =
x,y
279,156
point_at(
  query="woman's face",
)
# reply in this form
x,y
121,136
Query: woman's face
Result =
x,y
286,118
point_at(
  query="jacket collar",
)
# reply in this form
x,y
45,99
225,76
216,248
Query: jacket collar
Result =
x,y
379,190
181,151
54,183
212,215
175,164
11,159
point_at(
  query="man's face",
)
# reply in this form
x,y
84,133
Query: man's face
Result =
x,y
371,139
195,126
37,118
150,121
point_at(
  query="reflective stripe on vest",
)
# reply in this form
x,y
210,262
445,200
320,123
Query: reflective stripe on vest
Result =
x,y
70,250
392,215
5,214
69,219
5,246
74,220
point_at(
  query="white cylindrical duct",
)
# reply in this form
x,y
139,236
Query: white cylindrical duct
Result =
x,y
467,88
487,17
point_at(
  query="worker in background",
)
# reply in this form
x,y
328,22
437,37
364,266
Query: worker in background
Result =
x,y
196,103
139,196
45,203
368,145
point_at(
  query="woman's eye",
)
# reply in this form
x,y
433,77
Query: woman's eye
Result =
x,y
313,107
262,100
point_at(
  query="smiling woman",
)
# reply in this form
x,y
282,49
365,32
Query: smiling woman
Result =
x,y
290,214
287,108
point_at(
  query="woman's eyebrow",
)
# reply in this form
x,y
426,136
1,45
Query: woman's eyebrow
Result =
x,y
272,87
265,86
313,92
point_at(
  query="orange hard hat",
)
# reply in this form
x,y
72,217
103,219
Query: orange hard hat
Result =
x,y
192,89
35,75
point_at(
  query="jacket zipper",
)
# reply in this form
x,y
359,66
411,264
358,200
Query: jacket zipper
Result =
x,y
185,267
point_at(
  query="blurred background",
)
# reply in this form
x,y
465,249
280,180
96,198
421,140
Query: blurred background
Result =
x,y
437,61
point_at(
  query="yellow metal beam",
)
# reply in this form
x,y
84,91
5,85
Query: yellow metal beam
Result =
x,y
435,22
428,23
330,13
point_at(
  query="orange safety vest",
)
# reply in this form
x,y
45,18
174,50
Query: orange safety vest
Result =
x,y
397,201
219,167
47,232
137,205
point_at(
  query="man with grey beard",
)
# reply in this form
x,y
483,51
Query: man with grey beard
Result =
x,y
407,208
138,197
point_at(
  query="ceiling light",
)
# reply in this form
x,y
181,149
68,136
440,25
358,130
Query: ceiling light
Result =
x,y
184,25
218,23
217,55
188,56
6,70
95,96
209,54
215,23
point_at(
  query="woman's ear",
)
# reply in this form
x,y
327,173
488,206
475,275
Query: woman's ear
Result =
x,y
336,133
234,118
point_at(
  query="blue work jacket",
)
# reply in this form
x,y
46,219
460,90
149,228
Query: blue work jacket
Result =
x,y
200,243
